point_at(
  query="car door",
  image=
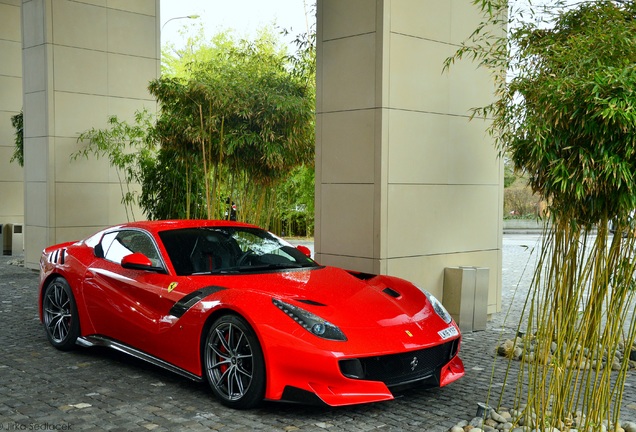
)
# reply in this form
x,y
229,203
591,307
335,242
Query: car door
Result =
x,y
127,304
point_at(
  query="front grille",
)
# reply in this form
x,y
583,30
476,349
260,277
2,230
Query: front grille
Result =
x,y
396,369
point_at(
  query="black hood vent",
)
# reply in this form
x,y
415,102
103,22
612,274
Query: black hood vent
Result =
x,y
393,293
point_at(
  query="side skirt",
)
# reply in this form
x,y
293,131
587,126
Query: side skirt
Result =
x,y
96,340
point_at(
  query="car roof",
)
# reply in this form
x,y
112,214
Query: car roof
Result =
x,y
163,225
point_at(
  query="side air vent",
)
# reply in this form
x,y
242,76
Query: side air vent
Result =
x,y
310,302
390,291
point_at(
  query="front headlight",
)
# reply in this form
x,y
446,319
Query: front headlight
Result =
x,y
310,322
438,307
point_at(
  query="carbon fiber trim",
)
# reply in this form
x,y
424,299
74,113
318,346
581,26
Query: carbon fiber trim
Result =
x,y
186,302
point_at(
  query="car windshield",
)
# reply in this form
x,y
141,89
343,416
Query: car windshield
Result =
x,y
230,250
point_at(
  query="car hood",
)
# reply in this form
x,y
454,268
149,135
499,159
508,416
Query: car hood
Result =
x,y
357,303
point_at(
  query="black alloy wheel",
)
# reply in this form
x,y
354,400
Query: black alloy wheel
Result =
x,y
234,364
59,311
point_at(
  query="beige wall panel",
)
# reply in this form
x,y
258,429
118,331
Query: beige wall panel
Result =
x,y
36,158
428,271
10,93
117,212
102,3
11,171
35,115
473,157
348,147
348,69
430,219
81,112
36,203
35,61
419,151
347,215
365,265
131,34
141,7
10,22
80,70
81,169
34,239
11,64
124,84
39,19
431,148
465,19
318,168
126,108
424,90
348,18
7,133
80,204
428,19
12,196
76,233
79,25
465,94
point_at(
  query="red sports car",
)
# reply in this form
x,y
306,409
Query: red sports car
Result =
x,y
254,316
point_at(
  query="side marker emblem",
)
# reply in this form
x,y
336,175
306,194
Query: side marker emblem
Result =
x,y
409,333
172,286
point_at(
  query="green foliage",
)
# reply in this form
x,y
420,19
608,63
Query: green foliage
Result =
x,y
575,129
129,149
236,117
295,202
236,125
566,116
17,121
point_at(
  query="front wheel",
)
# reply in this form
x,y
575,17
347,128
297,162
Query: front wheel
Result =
x,y
233,361
59,311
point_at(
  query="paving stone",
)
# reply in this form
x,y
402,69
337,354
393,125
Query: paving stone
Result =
x,y
39,384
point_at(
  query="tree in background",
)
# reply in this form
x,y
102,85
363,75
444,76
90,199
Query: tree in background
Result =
x,y
567,118
237,117
235,127
17,121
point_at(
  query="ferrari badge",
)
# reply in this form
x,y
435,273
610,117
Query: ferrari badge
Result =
x,y
172,286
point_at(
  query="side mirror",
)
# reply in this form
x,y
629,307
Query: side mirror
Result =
x,y
305,250
137,261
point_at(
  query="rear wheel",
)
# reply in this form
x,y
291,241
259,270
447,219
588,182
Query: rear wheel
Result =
x,y
59,311
233,361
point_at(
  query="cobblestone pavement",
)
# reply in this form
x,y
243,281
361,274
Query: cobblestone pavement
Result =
x,y
98,389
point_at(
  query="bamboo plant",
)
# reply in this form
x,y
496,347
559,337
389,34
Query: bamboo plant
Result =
x,y
566,115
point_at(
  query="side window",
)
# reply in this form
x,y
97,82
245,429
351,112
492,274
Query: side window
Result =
x,y
118,244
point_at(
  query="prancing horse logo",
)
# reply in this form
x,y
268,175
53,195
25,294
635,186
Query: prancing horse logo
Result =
x,y
414,363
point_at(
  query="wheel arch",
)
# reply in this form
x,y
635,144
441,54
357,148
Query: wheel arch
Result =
x,y
211,318
45,283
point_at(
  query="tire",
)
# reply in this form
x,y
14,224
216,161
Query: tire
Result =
x,y
59,313
234,364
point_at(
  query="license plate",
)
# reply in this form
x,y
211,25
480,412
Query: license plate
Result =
x,y
448,332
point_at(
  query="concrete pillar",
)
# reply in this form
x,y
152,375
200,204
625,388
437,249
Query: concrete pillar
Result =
x,y
83,61
405,184
11,174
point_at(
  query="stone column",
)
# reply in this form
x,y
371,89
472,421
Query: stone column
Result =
x,y
82,61
11,174
405,184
